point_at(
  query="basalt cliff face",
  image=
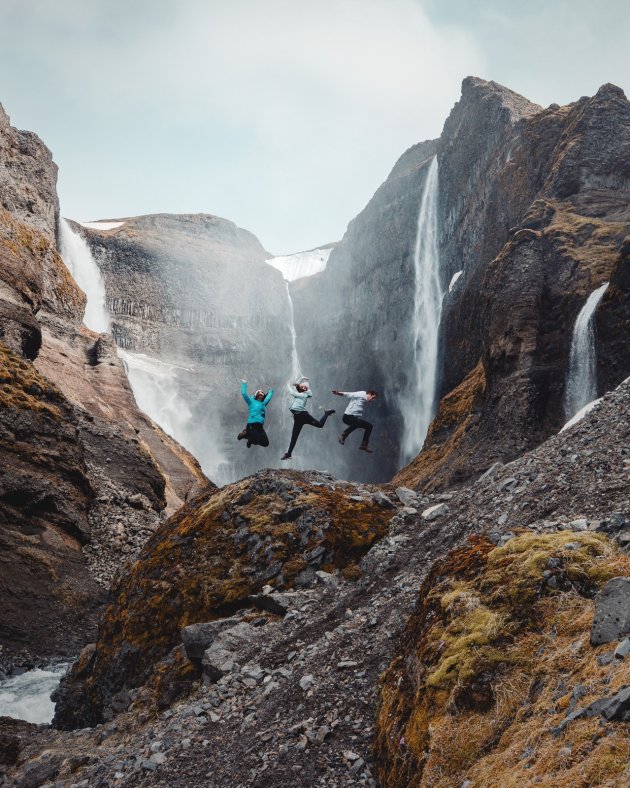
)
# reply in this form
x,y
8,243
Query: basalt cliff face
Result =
x,y
533,210
195,307
85,477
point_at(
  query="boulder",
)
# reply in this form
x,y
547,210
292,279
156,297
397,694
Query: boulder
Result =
x,y
612,612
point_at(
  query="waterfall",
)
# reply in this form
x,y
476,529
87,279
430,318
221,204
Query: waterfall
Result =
x,y
419,400
295,360
79,260
581,387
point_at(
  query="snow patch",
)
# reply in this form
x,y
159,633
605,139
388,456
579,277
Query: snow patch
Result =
x,y
101,225
297,266
581,413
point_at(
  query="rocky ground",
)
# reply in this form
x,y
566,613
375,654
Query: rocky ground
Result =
x,y
291,697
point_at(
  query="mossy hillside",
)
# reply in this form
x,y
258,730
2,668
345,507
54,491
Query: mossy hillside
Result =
x,y
209,558
488,662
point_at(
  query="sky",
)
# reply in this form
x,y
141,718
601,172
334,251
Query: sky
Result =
x,y
282,116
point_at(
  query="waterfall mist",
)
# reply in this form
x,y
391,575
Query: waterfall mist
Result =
x,y
581,385
417,403
77,256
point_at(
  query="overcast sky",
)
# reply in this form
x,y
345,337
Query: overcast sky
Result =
x,y
281,115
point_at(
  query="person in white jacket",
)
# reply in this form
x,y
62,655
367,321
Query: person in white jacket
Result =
x,y
353,415
300,393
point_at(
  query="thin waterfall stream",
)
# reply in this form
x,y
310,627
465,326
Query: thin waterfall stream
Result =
x,y
581,387
418,401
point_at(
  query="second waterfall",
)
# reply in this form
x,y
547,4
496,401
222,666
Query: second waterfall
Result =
x,y
418,401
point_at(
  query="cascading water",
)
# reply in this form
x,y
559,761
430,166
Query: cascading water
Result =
x,y
581,387
27,696
419,400
77,256
295,359
154,385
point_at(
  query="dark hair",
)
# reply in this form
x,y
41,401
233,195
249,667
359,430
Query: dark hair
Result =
x,y
371,391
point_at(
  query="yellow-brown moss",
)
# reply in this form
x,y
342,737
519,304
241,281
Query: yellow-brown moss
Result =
x,y
22,387
487,665
198,568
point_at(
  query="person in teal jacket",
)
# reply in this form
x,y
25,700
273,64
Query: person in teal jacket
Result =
x,y
254,431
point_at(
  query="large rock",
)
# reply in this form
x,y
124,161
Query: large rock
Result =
x,y
611,621
206,562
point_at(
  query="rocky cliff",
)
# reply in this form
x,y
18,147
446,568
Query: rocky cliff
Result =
x,y
85,477
533,210
196,308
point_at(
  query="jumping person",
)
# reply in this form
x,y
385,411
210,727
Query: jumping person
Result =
x,y
254,431
300,393
352,415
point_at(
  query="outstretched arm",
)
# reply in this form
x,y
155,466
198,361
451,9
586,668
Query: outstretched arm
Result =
x,y
339,393
268,397
246,396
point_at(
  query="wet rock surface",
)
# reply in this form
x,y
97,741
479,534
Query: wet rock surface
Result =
x,y
299,701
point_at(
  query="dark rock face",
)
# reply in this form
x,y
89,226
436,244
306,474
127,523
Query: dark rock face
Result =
x,y
206,562
49,599
194,292
561,228
612,324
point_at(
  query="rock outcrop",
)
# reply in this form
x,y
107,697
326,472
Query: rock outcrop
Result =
x,y
28,178
85,477
193,295
210,560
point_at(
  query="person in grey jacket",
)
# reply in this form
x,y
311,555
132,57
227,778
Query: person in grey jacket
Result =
x,y
353,415
300,394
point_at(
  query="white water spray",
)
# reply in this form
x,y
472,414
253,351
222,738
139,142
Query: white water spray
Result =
x,y
27,697
77,256
419,401
581,385
155,388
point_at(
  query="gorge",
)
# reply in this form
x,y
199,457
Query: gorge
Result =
x,y
343,620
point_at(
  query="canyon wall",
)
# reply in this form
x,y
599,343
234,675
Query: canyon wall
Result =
x,y
195,308
533,211
85,477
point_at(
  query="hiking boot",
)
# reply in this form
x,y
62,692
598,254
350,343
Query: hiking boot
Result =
x,y
249,444
242,435
286,456
342,439
329,412
365,447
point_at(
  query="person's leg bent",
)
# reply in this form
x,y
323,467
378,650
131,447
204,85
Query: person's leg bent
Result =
x,y
352,422
263,439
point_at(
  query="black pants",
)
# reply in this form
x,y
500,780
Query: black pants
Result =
x,y
300,418
355,423
256,435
